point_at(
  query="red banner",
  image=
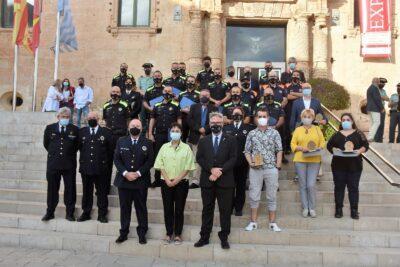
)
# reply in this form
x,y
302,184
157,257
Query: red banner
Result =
x,y
375,21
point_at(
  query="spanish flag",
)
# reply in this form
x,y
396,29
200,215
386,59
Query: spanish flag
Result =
x,y
20,33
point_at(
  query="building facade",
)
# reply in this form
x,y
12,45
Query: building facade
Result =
x,y
323,35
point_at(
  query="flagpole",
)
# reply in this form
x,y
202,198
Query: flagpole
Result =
x,y
57,52
35,76
14,99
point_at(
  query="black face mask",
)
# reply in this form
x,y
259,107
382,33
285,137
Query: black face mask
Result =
x,y
269,99
204,100
217,76
246,85
123,70
231,73
235,97
183,72
207,65
92,123
114,96
216,129
175,71
247,74
268,69
157,80
147,71
190,85
237,117
129,86
167,96
295,79
81,84
272,81
134,131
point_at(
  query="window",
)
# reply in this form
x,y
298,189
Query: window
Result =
x,y
7,13
356,13
134,13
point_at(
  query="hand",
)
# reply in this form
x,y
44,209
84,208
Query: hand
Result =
x,y
213,178
278,165
358,152
170,183
185,110
87,103
151,137
322,122
131,176
217,103
202,130
216,172
304,149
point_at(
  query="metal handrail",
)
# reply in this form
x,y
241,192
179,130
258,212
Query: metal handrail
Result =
x,y
368,160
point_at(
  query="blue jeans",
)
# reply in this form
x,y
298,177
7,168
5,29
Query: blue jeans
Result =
x,y
79,112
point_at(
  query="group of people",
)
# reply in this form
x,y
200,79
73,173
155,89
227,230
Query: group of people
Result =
x,y
202,132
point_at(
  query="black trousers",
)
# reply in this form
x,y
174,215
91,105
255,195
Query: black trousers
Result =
x,y
342,179
379,133
288,134
174,200
185,128
240,173
224,196
139,198
114,139
160,139
88,184
53,186
394,122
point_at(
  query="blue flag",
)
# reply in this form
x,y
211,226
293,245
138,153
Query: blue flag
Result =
x,y
68,40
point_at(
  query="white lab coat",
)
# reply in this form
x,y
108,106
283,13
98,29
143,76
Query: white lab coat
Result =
x,y
52,102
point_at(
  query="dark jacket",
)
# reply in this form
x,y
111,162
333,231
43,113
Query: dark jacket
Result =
x,y
374,100
95,151
240,135
298,107
61,148
194,121
286,77
225,159
128,157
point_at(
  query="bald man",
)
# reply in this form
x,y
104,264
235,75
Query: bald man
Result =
x,y
95,145
133,159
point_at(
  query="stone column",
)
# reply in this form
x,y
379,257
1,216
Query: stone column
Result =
x,y
320,47
215,40
196,41
302,44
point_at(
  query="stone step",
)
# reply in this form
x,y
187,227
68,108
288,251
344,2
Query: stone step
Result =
x,y
239,253
261,236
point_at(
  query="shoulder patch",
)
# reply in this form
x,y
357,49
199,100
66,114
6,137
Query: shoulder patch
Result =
x,y
123,103
106,104
201,71
245,105
196,92
175,103
116,76
181,93
150,88
158,104
227,105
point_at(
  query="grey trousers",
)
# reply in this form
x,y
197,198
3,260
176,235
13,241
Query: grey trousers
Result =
x,y
256,178
307,173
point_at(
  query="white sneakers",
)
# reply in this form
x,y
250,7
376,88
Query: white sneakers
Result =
x,y
253,226
313,214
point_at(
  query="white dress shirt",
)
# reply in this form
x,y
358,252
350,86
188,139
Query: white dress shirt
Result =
x,y
237,124
95,129
307,102
133,141
82,96
53,98
219,138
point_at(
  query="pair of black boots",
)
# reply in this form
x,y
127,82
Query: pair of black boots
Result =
x,y
353,213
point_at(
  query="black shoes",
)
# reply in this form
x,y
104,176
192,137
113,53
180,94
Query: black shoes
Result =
x,y
194,186
239,213
142,240
47,217
121,238
84,217
155,184
102,219
354,214
201,243
70,217
339,213
225,244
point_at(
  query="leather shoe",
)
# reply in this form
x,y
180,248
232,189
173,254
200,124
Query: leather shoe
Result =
x,y
70,217
201,243
339,213
354,214
121,238
225,244
194,186
142,240
102,219
84,217
47,217
155,184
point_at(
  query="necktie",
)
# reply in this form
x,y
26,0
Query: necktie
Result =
x,y
203,117
134,142
215,145
62,129
237,126
93,133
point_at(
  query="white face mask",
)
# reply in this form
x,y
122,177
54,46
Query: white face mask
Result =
x,y
263,122
306,121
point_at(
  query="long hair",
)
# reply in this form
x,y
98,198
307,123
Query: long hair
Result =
x,y
354,126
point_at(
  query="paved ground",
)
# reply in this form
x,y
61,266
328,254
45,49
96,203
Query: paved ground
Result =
x,y
10,256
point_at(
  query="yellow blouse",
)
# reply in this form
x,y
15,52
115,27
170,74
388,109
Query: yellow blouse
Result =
x,y
301,137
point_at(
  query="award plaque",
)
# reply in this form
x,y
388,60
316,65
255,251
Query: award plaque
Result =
x,y
349,146
311,145
318,117
313,150
258,160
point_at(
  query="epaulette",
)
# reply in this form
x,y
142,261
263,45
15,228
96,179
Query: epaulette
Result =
x,y
228,105
201,71
116,76
150,88
211,83
197,92
181,93
259,104
224,83
158,104
175,103
106,104
245,105
277,104
125,104
129,75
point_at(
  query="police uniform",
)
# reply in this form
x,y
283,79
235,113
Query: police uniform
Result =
x,y
178,82
116,117
241,168
96,152
138,158
250,98
61,143
263,79
119,80
134,100
279,93
193,95
204,77
292,88
164,114
229,107
219,90
274,110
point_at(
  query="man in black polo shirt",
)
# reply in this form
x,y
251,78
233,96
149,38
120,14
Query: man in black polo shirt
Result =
x,y
206,75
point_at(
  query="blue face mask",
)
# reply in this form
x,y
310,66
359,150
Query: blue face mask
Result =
x,y
292,66
64,122
307,91
347,125
175,136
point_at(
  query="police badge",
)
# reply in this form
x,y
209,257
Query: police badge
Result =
x,y
120,109
244,131
102,138
144,148
171,109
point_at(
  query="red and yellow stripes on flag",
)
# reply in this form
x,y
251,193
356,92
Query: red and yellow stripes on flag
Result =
x,y
20,33
36,24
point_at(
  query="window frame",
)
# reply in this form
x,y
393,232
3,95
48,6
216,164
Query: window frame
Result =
x,y
135,16
2,17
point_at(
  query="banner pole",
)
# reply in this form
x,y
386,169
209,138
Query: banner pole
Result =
x,y
35,77
14,99
57,52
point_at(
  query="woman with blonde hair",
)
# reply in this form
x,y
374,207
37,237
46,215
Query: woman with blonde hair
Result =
x,y
53,98
307,142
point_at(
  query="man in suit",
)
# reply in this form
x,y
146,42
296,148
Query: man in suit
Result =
x,y
216,155
61,142
133,159
374,107
239,130
198,120
306,102
96,150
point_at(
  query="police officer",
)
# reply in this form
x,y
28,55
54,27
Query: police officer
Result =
x,y
119,80
133,97
182,70
133,159
61,142
219,90
273,107
95,154
249,96
152,93
163,115
206,75
264,78
192,94
239,129
280,94
175,80
115,115
236,95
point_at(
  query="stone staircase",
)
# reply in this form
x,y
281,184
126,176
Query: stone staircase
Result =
x,y
374,240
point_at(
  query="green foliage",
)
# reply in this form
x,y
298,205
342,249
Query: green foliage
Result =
x,y
328,130
332,95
